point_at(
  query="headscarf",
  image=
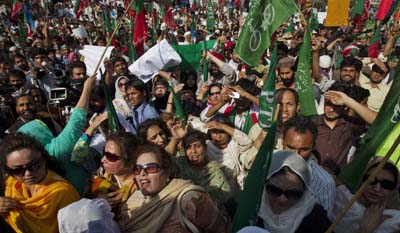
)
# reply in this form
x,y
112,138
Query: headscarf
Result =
x,y
352,220
289,220
87,215
119,101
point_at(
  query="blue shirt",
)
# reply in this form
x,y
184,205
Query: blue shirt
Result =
x,y
143,112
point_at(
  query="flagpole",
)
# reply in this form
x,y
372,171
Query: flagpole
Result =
x,y
364,186
112,36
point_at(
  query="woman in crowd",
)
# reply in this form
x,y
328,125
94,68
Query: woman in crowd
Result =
x,y
156,132
287,204
378,208
196,167
137,96
227,146
115,179
169,204
60,147
34,192
119,101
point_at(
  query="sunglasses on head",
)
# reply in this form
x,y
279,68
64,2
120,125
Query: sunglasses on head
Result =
x,y
111,157
149,168
20,171
289,194
385,184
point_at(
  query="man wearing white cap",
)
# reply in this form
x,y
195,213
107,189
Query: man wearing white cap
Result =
x,y
188,38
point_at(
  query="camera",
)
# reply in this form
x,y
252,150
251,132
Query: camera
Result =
x,y
58,94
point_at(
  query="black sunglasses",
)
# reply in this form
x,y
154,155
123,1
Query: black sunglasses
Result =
x,y
385,184
149,168
111,157
289,194
20,171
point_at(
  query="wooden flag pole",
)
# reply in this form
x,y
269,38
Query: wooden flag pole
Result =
x,y
364,186
112,36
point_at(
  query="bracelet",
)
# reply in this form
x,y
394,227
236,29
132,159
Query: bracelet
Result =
x,y
170,103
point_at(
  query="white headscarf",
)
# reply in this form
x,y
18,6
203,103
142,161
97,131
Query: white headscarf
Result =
x,y
289,220
88,216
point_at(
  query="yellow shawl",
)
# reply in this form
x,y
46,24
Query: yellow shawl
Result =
x,y
147,215
39,212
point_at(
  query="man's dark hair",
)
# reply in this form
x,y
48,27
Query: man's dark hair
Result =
x,y
351,62
248,86
301,125
340,87
358,93
17,73
38,51
118,59
18,55
76,64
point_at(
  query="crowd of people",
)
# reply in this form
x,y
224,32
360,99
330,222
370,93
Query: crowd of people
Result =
x,y
65,167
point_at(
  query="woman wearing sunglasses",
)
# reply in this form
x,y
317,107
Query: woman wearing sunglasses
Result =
x,y
287,204
115,178
378,208
168,204
34,192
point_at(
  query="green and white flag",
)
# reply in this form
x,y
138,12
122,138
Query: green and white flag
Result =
x,y
210,17
264,19
268,95
250,197
387,119
303,83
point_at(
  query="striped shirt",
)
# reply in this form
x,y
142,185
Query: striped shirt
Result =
x,y
322,186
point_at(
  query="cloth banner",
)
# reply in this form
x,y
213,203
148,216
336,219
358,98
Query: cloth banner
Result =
x,y
91,56
338,12
159,57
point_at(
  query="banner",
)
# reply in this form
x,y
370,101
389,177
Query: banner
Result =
x,y
265,17
267,97
338,12
191,54
303,83
159,57
91,55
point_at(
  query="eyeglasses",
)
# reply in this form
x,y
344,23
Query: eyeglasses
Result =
x,y
20,171
215,93
121,84
149,168
289,194
385,184
111,157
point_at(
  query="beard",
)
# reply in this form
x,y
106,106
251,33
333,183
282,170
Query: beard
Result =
x,y
287,82
330,119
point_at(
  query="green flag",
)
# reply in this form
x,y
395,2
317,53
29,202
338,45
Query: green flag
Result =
x,y
210,17
191,54
264,19
388,117
113,122
177,104
358,8
250,197
268,95
303,83
131,48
